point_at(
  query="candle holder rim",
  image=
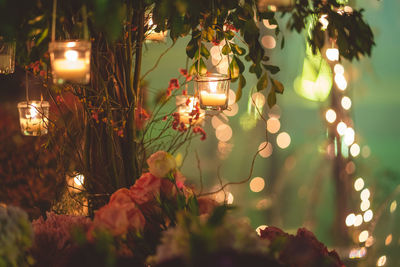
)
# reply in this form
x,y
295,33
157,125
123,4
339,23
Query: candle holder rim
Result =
x,y
82,42
214,77
36,103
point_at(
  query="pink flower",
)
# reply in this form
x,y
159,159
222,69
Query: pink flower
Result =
x,y
146,188
112,218
121,196
161,163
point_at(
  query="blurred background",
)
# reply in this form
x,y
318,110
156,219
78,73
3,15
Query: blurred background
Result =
x,y
292,183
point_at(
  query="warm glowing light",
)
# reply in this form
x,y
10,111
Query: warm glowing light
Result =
x,y
348,9
350,219
283,140
365,204
231,97
263,204
341,82
355,150
275,112
370,241
257,184
232,110
268,25
229,199
258,100
393,206
218,120
381,261
366,152
268,42
388,240
261,227
368,215
359,184
330,115
33,112
338,69
273,125
358,220
346,102
365,194
350,167
357,253
79,180
363,236
223,132
324,21
341,128
332,54
71,55
266,149
213,86
349,136
71,44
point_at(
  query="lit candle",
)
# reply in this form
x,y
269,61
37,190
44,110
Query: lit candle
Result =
x,y
33,117
71,68
212,99
34,126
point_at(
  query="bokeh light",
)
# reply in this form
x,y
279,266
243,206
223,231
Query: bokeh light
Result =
x,y
363,236
223,132
232,110
393,206
368,215
229,199
365,194
355,150
232,97
358,220
341,82
266,149
341,128
338,69
283,140
275,112
219,120
388,240
381,261
273,125
268,25
359,184
350,219
346,102
258,100
349,136
330,115
365,204
365,152
261,227
268,41
332,54
324,21
257,184
357,253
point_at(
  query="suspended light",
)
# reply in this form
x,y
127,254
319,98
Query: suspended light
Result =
x,y
332,54
349,136
368,215
213,90
324,21
365,194
365,204
341,128
350,219
358,220
341,82
359,184
330,116
363,236
33,117
355,150
346,102
338,69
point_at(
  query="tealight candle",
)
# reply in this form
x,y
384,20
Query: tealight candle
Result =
x,y
33,117
213,91
70,61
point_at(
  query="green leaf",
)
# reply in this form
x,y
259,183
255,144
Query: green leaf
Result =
x,y
237,50
273,69
42,36
226,49
277,86
234,68
262,82
271,99
242,84
191,48
204,52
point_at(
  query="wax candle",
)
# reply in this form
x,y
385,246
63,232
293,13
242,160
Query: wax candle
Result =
x,y
34,126
212,99
70,69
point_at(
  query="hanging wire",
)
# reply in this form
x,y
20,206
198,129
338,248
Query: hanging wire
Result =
x,y
53,26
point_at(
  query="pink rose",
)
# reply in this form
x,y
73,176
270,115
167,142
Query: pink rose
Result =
x,y
146,188
135,217
161,163
121,196
112,218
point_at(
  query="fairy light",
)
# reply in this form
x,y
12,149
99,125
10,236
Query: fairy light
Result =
x,y
365,204
365,194
330,116
349,136
381,261
338,69
358,220
273,125
388,240
393,206
341,128
363,236
257,184
368,215
332,54
261,228
350,219
324,21
283,140
341,82
346,102
359,184
355,150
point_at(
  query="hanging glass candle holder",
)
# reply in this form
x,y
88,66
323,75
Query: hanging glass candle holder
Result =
x,y
189,111
33,117
7,57
152,35
70,61
213,90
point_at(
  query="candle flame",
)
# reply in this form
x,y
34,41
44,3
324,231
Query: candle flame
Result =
x,y
33,112
71,55
213,87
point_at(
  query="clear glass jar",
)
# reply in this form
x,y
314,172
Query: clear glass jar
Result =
x,y
213,90
33,117
70,61
7,56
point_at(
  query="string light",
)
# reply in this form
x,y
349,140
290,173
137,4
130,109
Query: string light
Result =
x,y
393,206
355,150
365,194
330,116
332,54
324,21
350,219
283,140
257,184
338,69
341,82
273,125
359,184
341,128
358,220
346,102
381,261
365,204
363,236
349,136
368,215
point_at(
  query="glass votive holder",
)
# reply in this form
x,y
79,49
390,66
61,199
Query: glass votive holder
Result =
x,y
7,56
189,110
33,117
213,90
70,61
